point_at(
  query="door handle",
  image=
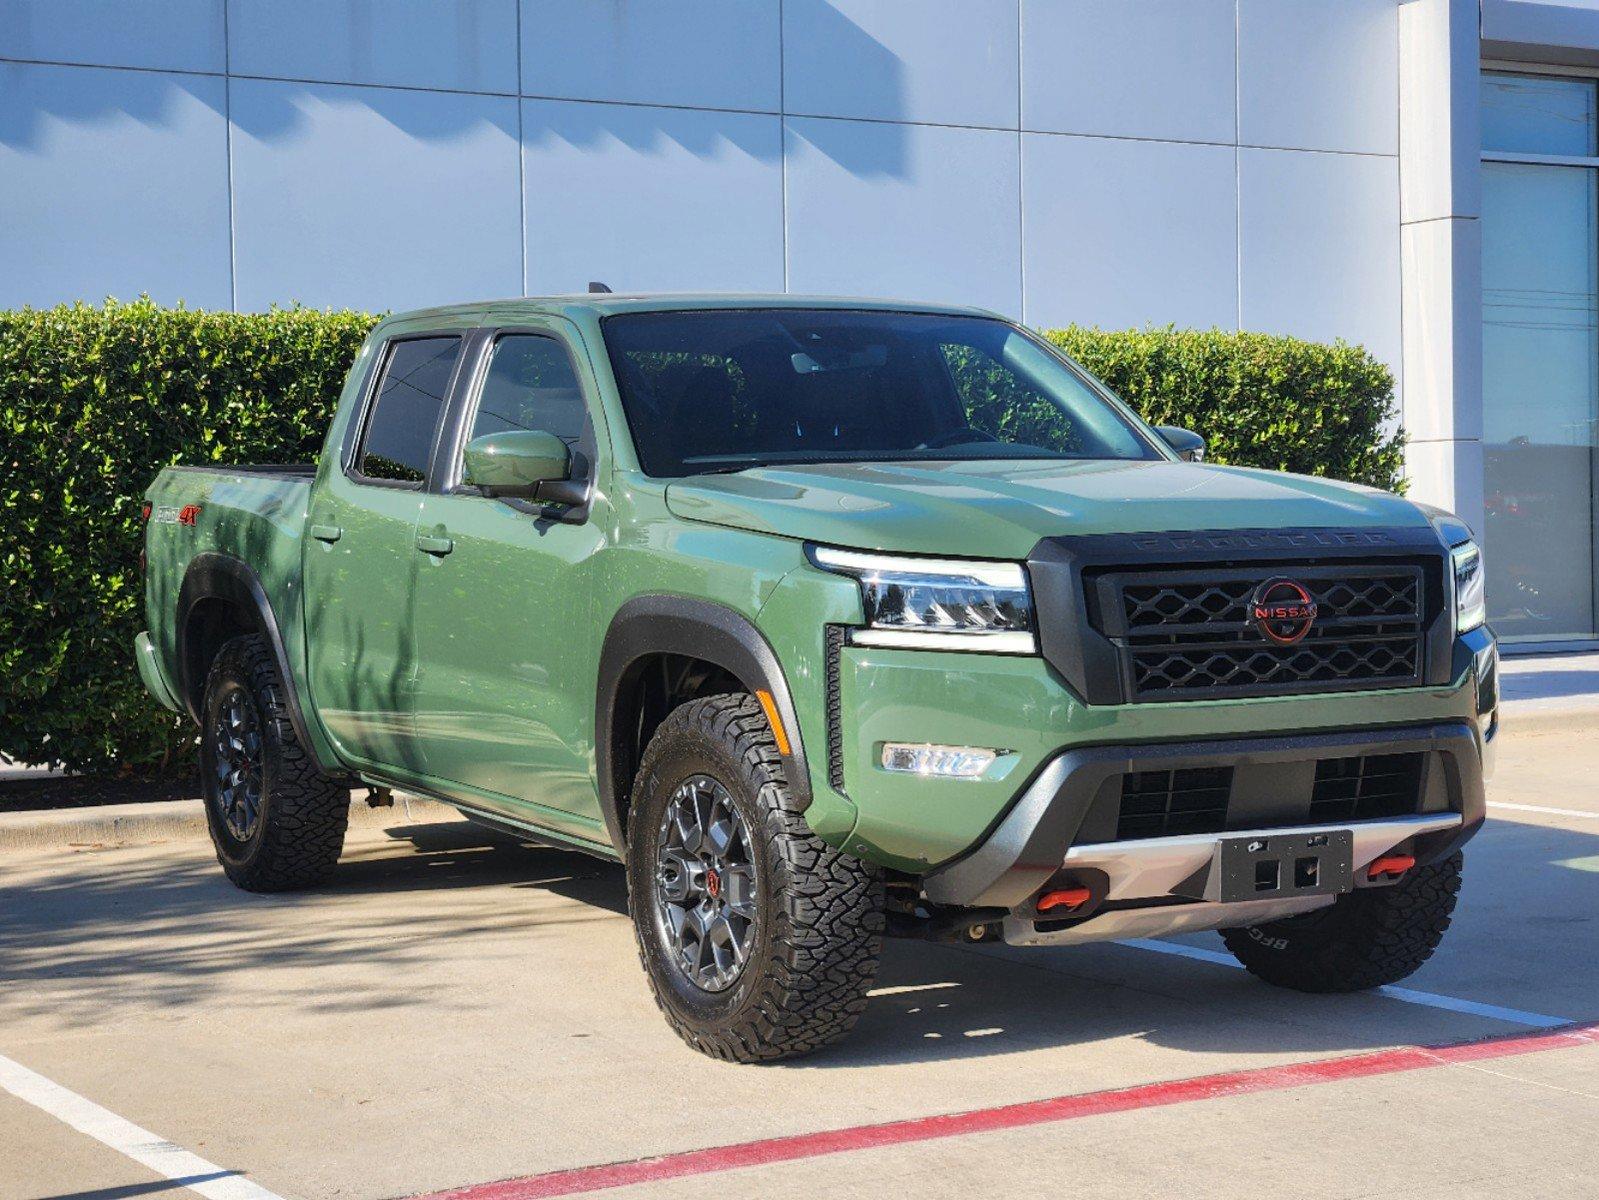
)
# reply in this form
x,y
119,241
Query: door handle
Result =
x,y
437,546
326,533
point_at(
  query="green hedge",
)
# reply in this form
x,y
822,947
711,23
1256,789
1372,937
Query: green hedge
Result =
x,y
94,401
1257,399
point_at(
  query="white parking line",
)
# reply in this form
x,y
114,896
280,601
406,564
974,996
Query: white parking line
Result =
x,y
906,988
1514,1016
171,1162
1538,808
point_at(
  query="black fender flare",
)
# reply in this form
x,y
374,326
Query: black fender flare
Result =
x,y
213,576
673,624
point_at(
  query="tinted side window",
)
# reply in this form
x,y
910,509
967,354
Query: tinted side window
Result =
x,y
405,412
530,385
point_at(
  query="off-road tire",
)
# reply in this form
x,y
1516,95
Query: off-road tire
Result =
x,y
1363,940
819,928
303,812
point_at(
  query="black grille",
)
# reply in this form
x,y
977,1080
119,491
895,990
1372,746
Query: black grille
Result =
x,y
1366,787
1166,803
1188,634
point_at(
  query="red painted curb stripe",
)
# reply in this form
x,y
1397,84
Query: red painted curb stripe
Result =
x,y
1014,1116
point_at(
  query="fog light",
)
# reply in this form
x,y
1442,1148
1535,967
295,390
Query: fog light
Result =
x,y
948,762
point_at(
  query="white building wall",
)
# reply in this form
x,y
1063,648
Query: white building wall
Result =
x,y
1441,252
1114,162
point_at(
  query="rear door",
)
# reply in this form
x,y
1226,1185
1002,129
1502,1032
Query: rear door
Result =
x,y
505,605
361,557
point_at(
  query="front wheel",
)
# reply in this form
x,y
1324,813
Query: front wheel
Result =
x,y
276,820
1362,940
759,940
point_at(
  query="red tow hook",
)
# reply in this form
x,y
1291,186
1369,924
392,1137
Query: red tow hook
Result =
x,y
1067,898
1390,866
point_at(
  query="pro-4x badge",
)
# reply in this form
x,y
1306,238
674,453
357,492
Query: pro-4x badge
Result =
x,y
1283,610
171,514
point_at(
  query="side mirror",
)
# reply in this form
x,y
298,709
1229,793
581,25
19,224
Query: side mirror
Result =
x,y
1190,446
515,462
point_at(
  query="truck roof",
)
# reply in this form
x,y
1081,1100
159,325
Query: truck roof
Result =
x,y
607,303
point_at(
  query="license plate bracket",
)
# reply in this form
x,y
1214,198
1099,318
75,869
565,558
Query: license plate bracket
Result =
x,y
1270,866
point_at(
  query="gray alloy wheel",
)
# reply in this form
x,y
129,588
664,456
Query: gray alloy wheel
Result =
x,y
705,885
236,751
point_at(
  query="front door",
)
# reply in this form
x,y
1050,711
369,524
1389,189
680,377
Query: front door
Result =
x,y
505,612
360,558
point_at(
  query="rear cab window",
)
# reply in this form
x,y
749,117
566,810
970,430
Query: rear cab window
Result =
x,y
402,419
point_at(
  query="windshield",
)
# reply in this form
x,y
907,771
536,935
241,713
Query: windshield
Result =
x,y
723,390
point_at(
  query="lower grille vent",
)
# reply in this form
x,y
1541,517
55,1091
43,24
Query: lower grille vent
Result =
x,y
1366,787
1167,803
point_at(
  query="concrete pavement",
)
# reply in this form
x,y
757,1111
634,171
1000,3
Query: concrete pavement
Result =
x,y
457,1008
1550,691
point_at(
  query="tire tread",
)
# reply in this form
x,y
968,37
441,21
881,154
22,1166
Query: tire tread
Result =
x,y
828,931
1368,938
307,811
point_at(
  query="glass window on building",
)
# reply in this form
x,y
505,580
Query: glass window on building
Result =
x,y
1540,263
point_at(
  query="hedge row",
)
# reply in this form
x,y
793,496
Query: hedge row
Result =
x,y
1259,400
94,401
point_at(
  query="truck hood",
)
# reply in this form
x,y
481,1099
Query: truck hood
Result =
x,y
1001,508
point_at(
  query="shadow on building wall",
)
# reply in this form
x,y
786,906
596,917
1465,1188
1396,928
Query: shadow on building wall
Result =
x,y
286,108
268,187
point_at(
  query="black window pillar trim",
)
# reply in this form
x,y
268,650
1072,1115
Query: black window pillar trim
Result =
x,y
674,624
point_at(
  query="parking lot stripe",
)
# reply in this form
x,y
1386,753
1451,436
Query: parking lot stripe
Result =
x,y
1473,1008
1513,1016
167,1160
908,988
1539,808
1014,1116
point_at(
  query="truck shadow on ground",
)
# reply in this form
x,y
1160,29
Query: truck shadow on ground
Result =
x,y
108,930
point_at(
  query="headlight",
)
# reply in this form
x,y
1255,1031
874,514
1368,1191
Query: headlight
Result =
x,y
1471,606
938,604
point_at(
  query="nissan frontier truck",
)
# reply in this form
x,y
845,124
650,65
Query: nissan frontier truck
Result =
x,y
831,620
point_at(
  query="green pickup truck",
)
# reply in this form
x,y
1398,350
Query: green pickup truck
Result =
x,y
831,620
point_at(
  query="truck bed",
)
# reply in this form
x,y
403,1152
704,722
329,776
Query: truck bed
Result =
x,y
252,513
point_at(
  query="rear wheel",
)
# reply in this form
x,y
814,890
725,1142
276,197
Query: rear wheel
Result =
x,y
276,820
759,940
1362,940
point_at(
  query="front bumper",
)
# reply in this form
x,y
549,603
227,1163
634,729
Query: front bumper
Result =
x,y
1145,876
1040,836
917,824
